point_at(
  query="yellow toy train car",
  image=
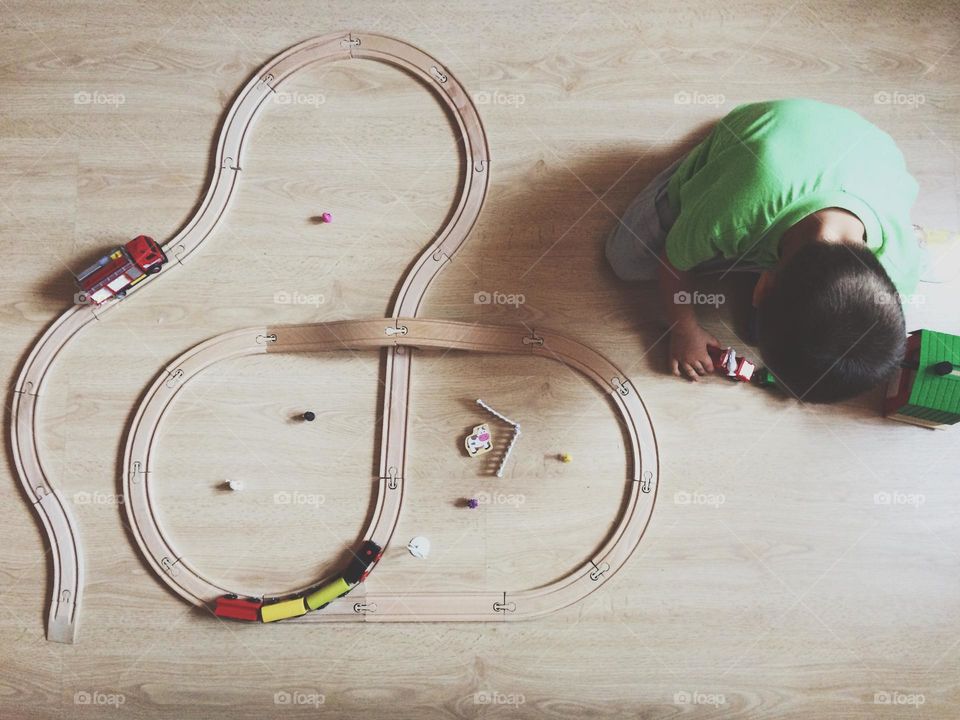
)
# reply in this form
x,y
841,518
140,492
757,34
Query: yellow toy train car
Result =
x,y
283,610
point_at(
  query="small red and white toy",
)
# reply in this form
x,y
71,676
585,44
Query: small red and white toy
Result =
x,y
745,370
731,365
112,275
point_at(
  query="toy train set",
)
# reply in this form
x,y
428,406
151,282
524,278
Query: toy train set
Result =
x,y
264,610
929,387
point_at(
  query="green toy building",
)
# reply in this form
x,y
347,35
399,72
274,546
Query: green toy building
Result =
x,y
926,391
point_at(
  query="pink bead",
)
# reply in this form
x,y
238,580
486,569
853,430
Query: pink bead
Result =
x,y
326,217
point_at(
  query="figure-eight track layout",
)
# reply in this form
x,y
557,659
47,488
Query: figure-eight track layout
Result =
x,y
398,334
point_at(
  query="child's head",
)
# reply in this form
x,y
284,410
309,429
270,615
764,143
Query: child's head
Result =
x,y
831,325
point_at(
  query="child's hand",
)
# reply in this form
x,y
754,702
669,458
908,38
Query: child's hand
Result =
x,y
688,350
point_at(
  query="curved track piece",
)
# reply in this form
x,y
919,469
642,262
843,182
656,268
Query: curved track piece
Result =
x,y
54,512
67,583
403,334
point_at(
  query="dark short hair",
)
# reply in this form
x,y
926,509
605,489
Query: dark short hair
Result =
x,y
831,326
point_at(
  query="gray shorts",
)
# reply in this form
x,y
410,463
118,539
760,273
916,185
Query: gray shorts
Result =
x,y
640,235
638,238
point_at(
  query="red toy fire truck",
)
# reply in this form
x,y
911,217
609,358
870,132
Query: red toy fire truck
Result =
x,y
112,275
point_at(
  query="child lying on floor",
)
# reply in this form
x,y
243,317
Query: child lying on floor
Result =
x,y
818,200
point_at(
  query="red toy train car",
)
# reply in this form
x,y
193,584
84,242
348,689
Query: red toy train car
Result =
x,y
230,606
112,275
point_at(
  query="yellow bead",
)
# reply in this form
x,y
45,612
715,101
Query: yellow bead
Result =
x,y
566,457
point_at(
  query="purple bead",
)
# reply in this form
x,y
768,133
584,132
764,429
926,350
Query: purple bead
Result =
x,y
473,503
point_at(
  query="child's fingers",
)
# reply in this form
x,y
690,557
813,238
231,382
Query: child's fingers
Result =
x,y
675,366
707,364
691,373
698,366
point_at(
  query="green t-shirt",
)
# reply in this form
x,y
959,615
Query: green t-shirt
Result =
x,y
765,166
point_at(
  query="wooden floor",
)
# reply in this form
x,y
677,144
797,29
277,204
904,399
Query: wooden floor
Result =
x,y
802,562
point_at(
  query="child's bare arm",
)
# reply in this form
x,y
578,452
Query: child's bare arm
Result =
x,y
688,341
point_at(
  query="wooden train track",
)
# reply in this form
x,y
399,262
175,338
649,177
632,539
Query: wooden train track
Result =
x,y
364,604
396,336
